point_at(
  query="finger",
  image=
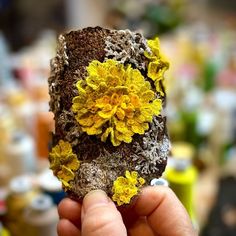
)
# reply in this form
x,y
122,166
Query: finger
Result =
x,y
165,213
70,210
129,216
66,228
140,228
100,216
136,225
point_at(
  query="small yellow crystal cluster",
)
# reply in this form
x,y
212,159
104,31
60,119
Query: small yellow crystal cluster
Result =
x,y
63,162
114,100
124,188
157,65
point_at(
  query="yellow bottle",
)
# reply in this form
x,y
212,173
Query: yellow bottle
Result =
x,y
182,177
3,231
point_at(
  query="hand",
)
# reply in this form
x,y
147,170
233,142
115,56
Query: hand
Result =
x,y
157,211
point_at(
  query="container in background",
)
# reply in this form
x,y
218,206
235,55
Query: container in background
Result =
x,y
51,186
20,196
3,231
159,182
20,153
3,207
44,124
182,176
41,217
21,107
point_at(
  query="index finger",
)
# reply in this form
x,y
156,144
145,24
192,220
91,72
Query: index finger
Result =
x,y
70,210
165,213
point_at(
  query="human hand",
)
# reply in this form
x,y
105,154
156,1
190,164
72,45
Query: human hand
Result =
x,y
157,211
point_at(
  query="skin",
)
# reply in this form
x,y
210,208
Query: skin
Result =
x,y
156,212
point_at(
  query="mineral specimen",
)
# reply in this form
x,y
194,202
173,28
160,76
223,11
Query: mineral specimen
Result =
x,y
107,95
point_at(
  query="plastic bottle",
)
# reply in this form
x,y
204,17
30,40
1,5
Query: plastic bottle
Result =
x,y
19,198
182,176
41,217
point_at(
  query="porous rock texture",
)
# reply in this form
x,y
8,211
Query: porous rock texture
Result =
x,y
101,163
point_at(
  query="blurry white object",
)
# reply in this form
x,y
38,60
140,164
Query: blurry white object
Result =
x,y
192,98
225,102
205,121
20,154
47,181
20,184
160,181
225,99
84,13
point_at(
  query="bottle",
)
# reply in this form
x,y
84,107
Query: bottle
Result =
x,y
44,124
20,153
20,195
159,182
41,217
50,185
3,231
182,176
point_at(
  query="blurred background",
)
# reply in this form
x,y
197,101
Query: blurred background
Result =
x,y
197,37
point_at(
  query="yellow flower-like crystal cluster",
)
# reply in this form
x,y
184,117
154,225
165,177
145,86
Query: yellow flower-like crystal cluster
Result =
x,y
157,65
124,188
114,100
63,162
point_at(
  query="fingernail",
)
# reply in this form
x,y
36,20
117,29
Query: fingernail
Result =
x,y
93,199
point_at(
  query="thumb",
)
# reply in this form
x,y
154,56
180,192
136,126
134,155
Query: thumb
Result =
x,y
100,216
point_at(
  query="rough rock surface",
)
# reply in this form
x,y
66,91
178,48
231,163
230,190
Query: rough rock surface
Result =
x,y
101,163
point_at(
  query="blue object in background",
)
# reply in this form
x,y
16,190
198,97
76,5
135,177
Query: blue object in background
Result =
x,y
56,196
5,67
51,186
4,4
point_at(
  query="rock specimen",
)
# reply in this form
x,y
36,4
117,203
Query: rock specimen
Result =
x,y
107,96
